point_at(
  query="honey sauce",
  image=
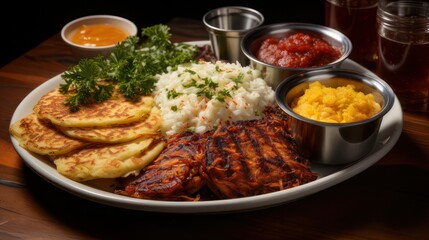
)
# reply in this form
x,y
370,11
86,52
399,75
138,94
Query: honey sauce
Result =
x,y
98,35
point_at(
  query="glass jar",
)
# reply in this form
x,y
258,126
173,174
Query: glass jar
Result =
x,y
357,20
403,43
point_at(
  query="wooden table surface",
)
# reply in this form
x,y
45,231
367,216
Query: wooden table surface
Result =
x,y
389,200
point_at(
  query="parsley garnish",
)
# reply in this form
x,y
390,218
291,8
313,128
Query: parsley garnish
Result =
x,y
217,68
206,89
171,94
131,67
193,83
222,94
190,71
238,79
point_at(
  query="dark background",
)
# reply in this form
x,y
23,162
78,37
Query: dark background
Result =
x,y
25,25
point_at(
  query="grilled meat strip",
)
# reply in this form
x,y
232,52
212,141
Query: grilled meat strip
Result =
x,y
240,159
174,175
254,157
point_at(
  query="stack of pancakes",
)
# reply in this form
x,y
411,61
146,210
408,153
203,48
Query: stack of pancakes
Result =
x,y
111,139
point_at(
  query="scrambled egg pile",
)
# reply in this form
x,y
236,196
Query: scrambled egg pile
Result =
x,y
335,105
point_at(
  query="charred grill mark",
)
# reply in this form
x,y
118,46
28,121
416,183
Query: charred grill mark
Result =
x,y
257,148
267,150
219,146
285,149
278,159
210,155
242,156
169,186
290,152
183,149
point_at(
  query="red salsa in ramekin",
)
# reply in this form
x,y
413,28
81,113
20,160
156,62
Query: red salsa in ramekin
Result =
x,y
300,50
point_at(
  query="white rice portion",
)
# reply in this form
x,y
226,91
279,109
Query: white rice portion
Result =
x,y
184,107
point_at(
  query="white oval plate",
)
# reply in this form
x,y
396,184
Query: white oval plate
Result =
x,y
390,130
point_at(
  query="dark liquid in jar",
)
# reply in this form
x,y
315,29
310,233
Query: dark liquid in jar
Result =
x,y
405,67
359,25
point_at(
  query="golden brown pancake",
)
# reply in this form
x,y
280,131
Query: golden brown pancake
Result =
x,y
123,136
109,161
117,110
43,138
119,133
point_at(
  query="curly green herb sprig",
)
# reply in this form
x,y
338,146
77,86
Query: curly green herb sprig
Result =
x,y
132,67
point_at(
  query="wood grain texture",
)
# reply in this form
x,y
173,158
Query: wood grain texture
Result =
x,y
387,201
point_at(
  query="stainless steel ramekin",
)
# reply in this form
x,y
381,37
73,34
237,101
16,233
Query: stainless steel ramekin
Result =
x,y
334,143
253,39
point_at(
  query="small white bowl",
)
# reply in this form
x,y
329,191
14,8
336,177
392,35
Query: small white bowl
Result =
x,y
81,51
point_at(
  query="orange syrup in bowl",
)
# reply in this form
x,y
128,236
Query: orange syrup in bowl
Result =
x,y
98,35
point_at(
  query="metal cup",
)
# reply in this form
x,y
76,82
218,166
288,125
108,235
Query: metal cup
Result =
x,y
227,26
